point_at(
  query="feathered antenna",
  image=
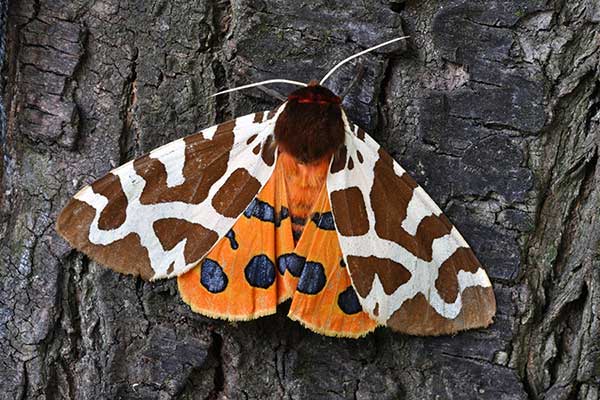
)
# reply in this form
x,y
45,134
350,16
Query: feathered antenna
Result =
x,y
331,71
352,57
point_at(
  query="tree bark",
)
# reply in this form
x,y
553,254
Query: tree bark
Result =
x,y
493,106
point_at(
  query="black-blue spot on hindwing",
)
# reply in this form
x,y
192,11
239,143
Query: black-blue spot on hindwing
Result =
x,y
291,262
261,210
348,301
342,263
232,242
260,271
212,276
283,214
324,221
265,212
312,280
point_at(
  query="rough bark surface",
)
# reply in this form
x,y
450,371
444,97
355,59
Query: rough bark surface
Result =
x,y
494,106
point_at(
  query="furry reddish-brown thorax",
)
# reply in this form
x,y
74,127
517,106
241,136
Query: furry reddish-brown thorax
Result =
x,y
310,127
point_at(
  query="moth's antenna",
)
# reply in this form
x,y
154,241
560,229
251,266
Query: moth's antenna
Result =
x,y
352,57
259,84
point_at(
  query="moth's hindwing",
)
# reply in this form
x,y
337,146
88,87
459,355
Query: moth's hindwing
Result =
x,y
325,300
411,269
158,215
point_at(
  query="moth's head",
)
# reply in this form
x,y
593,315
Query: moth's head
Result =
x,y
314,94
311,125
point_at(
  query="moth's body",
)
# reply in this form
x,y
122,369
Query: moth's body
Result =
x,y
303,182
308,132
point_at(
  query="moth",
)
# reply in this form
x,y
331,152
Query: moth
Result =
x,y
293,203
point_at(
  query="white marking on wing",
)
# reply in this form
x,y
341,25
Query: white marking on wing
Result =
x,y
173,159
398,170
416,211
209,133
469,279
87,195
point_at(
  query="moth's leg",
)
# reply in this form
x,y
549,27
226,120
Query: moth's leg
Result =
x,y
360,73
273,93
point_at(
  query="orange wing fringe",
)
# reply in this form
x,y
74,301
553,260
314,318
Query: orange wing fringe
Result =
x,y
258,266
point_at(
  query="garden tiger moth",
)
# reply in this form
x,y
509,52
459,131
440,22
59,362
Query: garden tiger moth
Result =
x,y
291,203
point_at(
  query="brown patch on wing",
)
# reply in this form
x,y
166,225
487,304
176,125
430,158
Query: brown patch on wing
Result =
x,y
251,138
361,134
350,212
114,214
447,280
363,269
258,117
171,231
390,196
268,152
205,162
256,149
350,163
339,159
359,156
236,193
418,317
126,255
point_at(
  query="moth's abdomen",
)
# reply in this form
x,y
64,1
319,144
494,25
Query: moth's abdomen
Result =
x,y
303,184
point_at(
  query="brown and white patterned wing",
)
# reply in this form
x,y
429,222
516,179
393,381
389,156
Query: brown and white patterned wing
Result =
x,y
158,215
411,269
